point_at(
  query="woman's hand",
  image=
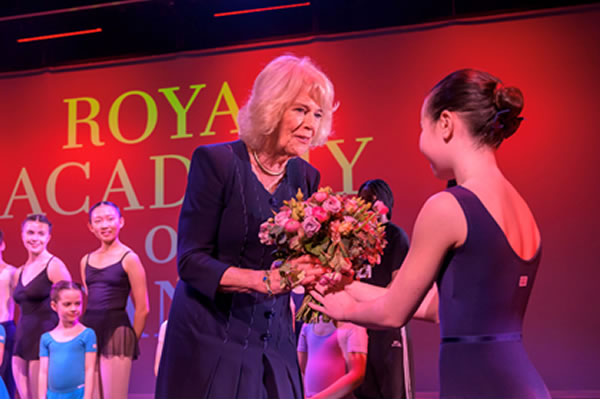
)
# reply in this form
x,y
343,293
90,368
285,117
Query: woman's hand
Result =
x,y
305,270
337,305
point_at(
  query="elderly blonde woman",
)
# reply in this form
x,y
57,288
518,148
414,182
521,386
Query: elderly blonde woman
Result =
x,y
230,331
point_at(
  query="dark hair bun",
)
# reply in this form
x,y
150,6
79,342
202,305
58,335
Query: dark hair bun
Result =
x,y
490,110
509,103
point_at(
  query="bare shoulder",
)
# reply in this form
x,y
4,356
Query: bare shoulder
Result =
x,y
131,260
57,270
83,263
84,258
442,206
441,217
10,269
56,263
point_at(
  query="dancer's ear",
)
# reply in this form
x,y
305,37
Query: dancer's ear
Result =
x,y
446,125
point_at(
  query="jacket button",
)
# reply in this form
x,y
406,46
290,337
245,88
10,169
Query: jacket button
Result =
x,y
265,337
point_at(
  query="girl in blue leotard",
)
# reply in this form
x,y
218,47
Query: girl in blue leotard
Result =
x,y
3,390
68,352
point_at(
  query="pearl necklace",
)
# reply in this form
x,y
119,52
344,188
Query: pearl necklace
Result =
x,y
265,169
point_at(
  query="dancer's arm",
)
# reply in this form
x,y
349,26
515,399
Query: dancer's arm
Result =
x,y
139,291
303,348
82,272
357,364
428,308
159,346
90,368
91,352
43,378
440,226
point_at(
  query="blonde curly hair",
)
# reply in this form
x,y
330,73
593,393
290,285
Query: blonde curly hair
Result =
x,y
275,89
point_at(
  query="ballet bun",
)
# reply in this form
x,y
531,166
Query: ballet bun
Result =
x,y
509,104
490,110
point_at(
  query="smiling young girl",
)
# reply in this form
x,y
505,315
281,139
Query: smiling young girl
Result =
x,y
68,352
32,293
477,240
110,273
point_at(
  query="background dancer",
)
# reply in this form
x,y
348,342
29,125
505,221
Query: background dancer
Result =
x,y
110,273
32,293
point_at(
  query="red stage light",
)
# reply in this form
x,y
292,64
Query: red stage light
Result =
x,y
255,10
59,35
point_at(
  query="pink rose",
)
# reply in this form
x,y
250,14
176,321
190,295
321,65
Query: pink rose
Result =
x,y
308,211
282,217
311,226
291,226
332,205
320,213
351,205
320,196
380,208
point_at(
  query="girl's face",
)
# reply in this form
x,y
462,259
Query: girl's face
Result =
x,y
68,306
433,146
106,223
35,236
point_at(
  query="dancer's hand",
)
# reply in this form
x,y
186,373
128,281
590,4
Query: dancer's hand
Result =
x,y
335,281
337,305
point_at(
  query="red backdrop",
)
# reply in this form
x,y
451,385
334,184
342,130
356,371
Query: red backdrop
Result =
x,y
124,131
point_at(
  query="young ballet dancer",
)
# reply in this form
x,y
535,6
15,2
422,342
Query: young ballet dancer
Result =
x,y
111,273
68,352
478,240
332,357
32,293
3,390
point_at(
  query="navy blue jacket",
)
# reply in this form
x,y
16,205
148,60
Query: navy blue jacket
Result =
x,y
229,344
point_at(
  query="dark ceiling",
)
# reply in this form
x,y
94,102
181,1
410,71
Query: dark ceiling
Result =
x,y
132,28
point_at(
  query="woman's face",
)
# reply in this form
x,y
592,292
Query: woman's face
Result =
x,y
36,236
298,126
105,223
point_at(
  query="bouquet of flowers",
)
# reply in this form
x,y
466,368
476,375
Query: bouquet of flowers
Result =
x,y
343,231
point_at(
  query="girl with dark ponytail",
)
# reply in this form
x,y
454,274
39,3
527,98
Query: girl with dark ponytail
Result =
x,y
478,240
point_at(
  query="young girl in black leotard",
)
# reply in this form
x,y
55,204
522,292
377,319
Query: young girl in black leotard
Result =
x,y
32,293
477,240
110,273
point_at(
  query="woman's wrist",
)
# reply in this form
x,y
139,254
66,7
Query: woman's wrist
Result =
x,y
269,282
